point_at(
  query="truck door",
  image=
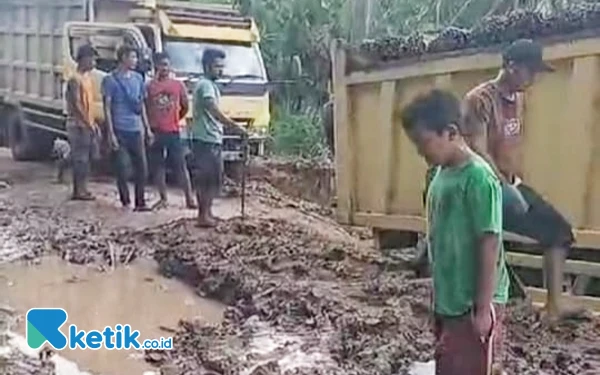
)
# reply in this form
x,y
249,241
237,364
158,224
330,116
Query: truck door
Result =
x,y
106,38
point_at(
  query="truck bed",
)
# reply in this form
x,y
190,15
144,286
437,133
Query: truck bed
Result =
x,y
31,49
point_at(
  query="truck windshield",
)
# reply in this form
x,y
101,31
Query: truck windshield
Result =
x,y
242,61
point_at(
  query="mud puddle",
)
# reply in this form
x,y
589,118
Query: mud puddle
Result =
x,y
134,295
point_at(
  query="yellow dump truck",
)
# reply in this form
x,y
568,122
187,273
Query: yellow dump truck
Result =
x,y
38,40
380,177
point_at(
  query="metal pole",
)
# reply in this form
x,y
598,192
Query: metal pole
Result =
x,y
244,173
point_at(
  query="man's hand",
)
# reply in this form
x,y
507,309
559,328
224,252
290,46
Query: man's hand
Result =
x,y
149,137
97,131
482,323
113,142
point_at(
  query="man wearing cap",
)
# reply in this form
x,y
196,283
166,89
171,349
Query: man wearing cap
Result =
x,y
493,128
82,129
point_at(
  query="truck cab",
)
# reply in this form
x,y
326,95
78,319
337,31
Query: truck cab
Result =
x,y
183,30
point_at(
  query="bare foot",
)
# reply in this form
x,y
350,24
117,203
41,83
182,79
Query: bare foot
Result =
x,y
83,197
556,315
191,205
205,222
160,205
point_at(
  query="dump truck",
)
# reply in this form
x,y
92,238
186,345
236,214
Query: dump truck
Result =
x,y
39,39
380,178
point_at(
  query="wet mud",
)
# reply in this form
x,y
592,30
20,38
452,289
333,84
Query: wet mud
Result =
x,y
303,294
13,362
360,312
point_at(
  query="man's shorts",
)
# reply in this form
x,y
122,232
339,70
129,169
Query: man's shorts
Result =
x,y
207,169
167,147
458,348
541,222
83,142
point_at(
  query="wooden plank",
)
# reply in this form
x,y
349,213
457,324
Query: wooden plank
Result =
x,y
343,142
573,157
395,222
383,186
443,81
479,61
575,267
538,297
585,239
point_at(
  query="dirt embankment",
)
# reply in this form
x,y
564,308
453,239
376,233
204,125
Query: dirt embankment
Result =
x,y
354,310
341,302
305,180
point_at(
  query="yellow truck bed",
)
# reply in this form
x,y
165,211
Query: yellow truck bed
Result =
x,y
380,177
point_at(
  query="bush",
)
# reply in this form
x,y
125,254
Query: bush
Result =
x,y
298,134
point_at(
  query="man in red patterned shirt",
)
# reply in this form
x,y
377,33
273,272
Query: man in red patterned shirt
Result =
x,y
493,127
167,103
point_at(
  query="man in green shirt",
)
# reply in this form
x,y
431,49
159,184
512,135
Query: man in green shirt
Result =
x,y
206,135
464,213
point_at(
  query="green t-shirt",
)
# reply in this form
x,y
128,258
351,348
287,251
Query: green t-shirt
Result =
x,y
463,203
205,127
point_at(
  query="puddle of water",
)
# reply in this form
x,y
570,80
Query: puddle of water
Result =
x,y
423,368
134,295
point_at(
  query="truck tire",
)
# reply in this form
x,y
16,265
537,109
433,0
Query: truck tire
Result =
x,y
25,143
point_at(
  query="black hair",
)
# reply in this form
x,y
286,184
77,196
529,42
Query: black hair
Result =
x,y
433,111
210,55
159,56
124,52
86,50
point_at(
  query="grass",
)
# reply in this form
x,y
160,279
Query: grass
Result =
x,y
298,134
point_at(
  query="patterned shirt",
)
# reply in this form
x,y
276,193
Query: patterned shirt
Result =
x,y
487,111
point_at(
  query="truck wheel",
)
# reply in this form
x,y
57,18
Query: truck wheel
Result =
x,y
25,143
18,138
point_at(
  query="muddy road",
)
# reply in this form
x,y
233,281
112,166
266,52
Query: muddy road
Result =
x,y
287,291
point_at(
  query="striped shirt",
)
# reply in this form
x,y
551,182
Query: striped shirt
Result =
x,y
489,113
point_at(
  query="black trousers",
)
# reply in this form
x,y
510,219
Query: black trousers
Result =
x,y
131,145
542,222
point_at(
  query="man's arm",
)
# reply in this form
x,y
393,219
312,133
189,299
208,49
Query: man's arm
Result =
x,y
73,88
207,94
144,116
475,130
184,103
106,104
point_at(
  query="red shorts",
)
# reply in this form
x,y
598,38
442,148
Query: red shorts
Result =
x,y
459,350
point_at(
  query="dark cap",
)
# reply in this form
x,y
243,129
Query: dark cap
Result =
x,y
86,50
528,53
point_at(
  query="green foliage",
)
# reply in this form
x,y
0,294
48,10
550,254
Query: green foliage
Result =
x,y
298,133
306,28
302,28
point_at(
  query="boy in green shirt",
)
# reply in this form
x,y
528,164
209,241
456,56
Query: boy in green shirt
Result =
x,y
464,214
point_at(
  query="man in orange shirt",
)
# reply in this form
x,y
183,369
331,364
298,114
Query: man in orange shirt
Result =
x,y
81,126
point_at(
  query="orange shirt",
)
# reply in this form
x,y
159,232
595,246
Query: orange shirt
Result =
x,y
85,99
